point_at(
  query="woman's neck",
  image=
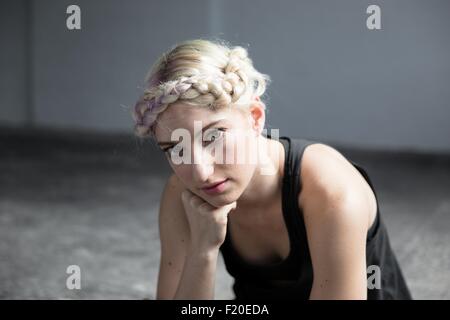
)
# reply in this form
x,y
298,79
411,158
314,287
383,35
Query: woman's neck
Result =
x,y
266,183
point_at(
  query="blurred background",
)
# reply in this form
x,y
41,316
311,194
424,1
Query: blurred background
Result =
x,y
77,188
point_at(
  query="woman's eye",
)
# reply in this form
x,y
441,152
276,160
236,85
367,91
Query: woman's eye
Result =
x,y
177,149
214,135
209,137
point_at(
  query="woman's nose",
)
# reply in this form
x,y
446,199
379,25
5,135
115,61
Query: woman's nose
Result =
x,y
202,168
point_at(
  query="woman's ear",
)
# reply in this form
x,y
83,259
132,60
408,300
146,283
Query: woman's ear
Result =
x,y
257,117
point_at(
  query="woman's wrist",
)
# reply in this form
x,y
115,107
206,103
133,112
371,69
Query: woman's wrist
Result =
x,y
204,254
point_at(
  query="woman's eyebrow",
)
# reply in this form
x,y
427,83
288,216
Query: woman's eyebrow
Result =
x,y
165,143
169,143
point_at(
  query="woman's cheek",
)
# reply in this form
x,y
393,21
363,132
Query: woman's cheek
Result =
x,y
230,148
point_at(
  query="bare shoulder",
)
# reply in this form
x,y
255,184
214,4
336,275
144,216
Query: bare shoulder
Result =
x,y
327,177
325,168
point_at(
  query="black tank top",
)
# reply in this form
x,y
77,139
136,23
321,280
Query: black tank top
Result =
x,y
292,277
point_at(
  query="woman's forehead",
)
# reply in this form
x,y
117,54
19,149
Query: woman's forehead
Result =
x,y
182,116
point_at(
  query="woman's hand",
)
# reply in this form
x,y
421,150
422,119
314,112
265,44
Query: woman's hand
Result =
x,y
208,224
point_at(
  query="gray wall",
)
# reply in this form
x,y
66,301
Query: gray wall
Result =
x,y
333,79
83,77
14,68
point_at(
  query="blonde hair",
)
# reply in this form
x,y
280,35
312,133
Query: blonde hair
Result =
x,y
200,73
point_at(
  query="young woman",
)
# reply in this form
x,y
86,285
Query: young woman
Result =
x,y
310,228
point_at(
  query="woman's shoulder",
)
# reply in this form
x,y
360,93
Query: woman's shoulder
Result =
x,y
324,167
327,176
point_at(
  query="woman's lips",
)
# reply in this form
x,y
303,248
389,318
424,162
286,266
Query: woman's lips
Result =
x,y
217,188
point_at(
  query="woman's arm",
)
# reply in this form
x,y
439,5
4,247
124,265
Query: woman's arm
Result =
x,y
337,240
184,273
198,278
336,212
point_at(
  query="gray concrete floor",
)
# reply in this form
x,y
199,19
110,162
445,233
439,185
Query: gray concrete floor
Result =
x,y
92,201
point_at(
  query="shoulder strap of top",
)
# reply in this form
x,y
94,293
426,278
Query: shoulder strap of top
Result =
x,y
373,229
294,149
292,186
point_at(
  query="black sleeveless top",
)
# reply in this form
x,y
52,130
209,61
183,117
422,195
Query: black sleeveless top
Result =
x,y
292,277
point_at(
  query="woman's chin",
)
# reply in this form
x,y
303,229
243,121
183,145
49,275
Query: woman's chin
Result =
x,y
220,201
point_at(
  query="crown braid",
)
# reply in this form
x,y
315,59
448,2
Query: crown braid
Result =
x,y
214,89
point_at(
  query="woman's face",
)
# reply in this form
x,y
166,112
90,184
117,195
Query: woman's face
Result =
x,y
222,145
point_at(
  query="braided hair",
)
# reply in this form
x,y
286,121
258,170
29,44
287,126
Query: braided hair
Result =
x,y
200,73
